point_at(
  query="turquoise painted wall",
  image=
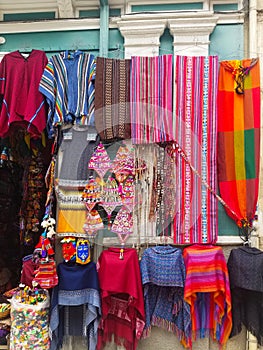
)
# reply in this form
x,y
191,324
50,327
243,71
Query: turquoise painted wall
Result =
x,y
227,42
54,42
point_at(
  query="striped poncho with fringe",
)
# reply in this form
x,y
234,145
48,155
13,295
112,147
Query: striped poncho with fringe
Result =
x,y
207,291
163,277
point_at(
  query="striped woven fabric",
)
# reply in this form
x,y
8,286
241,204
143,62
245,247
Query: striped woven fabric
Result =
x,y
112,97
239,137
196,81
207,291
151,99
68,85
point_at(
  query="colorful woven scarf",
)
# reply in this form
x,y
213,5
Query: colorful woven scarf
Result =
x,y
163,278
151,99
239,137
207,291
196,130
112,97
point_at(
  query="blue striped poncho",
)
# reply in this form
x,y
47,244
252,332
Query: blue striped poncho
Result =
x,y
68,84
163,277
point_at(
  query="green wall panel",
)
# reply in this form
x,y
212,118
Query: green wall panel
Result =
x,y
227,41
53,42
116,49
166,43
115,12
226,225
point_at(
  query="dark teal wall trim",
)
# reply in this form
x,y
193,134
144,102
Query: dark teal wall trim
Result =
x,y
225,7
167,7
28,16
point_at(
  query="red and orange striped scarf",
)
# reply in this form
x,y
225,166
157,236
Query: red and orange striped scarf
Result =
x,y
207,291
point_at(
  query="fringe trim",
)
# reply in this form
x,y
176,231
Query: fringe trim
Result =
x,y
168,326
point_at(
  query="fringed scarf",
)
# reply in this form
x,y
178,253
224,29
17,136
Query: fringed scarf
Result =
x,y
151,99
112,97
123,315
239,137
196,131
207,291
163,278
245,266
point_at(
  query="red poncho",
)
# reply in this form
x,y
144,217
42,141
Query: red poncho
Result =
x,y
123,315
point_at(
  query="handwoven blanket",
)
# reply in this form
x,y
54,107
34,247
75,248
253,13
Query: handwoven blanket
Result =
x,y
163,278
151,99
196,131
207,291
245,266
239,137
112,97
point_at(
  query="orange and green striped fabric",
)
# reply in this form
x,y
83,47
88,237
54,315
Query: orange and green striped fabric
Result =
x,y
239,137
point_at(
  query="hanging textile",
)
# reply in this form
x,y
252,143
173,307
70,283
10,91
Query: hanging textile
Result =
x,y
151,99
112,97
71,176
92,193
245,266
163,278
23,105
196,130
100,161
68,85
71,209
207,291
239,137
123,315
75,305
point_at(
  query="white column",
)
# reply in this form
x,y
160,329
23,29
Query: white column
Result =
x,y
191,33
141,35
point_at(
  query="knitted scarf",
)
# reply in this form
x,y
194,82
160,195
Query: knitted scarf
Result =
x,y
163,277
239,137
77,298
245,266
207,291
196,130
123,315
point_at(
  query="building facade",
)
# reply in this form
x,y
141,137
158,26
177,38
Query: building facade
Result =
x,y
230,29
